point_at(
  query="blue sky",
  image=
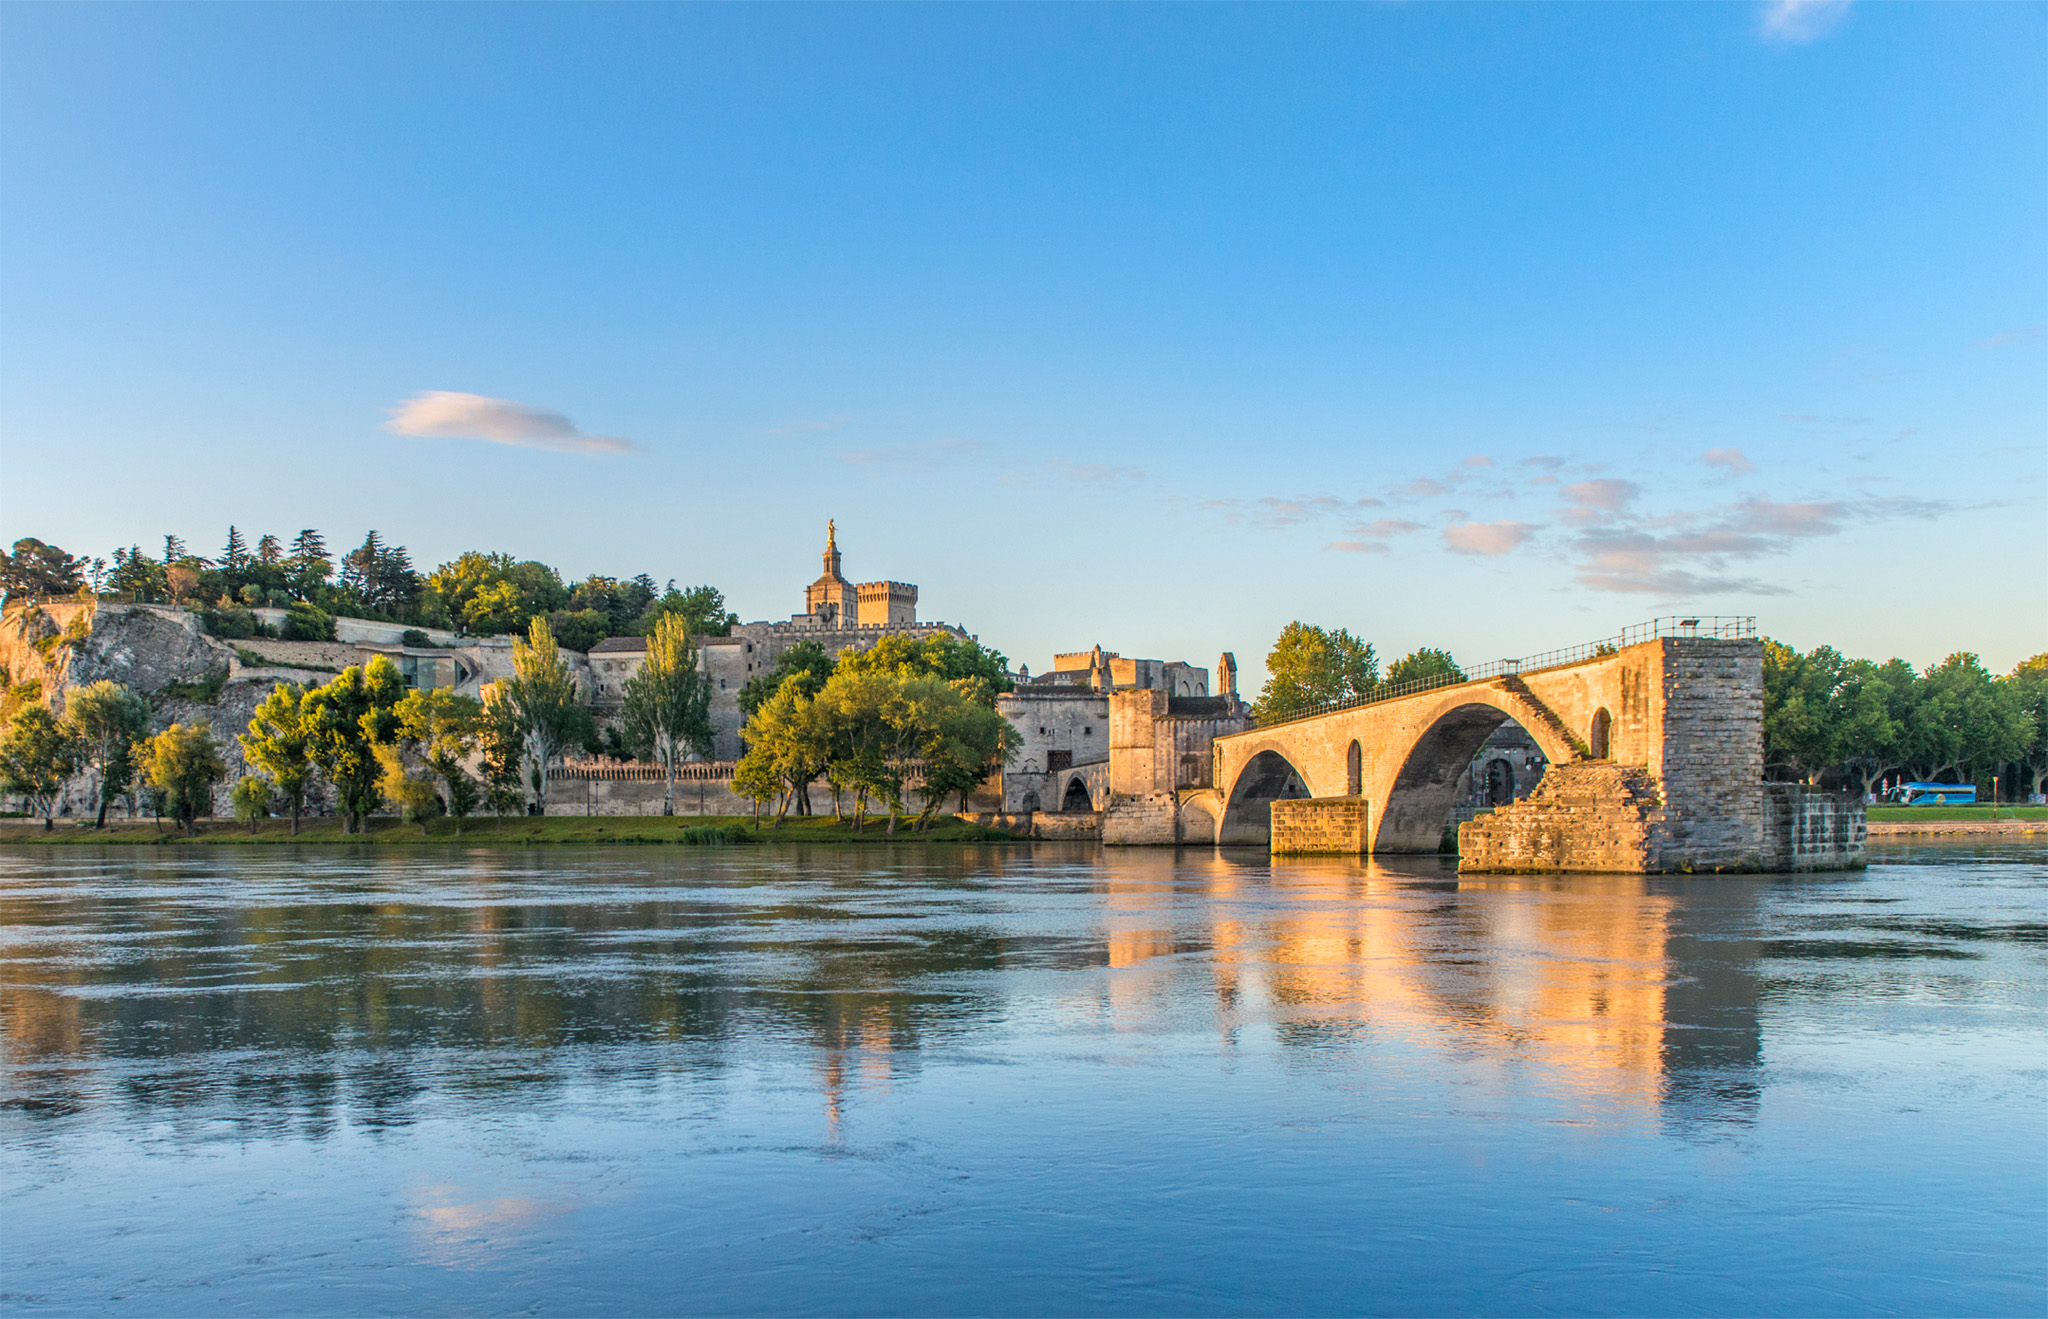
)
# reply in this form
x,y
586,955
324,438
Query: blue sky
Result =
x,y
1487,327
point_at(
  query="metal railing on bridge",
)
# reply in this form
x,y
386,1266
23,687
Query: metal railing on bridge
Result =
x,y
1724,627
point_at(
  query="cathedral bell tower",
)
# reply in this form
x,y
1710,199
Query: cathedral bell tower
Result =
x,y
831,598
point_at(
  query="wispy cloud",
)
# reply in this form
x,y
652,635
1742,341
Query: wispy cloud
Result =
x,y
1095,473
2007,338
806,427
1598,501
1732,461
912,455
1488,538
1273,512
446,414
1359,546
1693,553
1800,20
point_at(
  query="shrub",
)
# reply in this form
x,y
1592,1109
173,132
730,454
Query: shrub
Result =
x,y
231,624
251,799
412,636
305,622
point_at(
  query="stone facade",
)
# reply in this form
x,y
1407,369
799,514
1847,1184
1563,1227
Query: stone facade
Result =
x,y
1322,826
1808,829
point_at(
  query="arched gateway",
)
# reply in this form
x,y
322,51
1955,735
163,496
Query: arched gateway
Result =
x,y
1656,755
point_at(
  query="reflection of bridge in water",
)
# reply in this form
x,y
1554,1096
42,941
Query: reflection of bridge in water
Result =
x,y
1655,744
1613,986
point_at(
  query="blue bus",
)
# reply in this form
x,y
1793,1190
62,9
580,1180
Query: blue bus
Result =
x,y
1933,794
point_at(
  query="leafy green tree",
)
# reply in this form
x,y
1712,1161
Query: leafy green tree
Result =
x,y
667,711
269,550
182,764
1967,720
105,719
280,743
543,693
805,660
965,740
250,798
579,631
38,756
307,622
702,609
310,565
408,788
235,557
36,571
346,720
1425,665
1802,721
503,747
1877,708
137,576
1311,666
2029,688
492,595
443,728
789,743
933,657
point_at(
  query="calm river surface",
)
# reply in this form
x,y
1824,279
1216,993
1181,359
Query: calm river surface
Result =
x,y
1045,1080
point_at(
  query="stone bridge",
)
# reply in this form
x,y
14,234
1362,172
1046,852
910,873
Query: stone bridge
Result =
x,y
1656,764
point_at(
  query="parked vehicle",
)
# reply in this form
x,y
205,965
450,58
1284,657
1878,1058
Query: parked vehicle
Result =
x,y
1933,794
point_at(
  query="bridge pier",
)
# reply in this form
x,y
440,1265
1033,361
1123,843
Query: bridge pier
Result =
x,y
1321,826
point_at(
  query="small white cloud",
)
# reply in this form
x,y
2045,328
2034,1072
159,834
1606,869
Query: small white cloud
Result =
x,y
1608,495
1731,460
448,415
2007,338
1358,546
1801,20
1488,538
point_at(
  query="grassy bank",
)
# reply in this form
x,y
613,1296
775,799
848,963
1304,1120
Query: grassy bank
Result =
x,y
1952,813
525,831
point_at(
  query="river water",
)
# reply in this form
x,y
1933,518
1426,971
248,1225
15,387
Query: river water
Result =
x,y
1016,1081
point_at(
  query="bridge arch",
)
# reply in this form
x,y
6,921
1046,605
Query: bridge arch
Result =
x,y
1416,803
1266,778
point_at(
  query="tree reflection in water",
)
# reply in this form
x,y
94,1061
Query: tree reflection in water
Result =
x,y
279,993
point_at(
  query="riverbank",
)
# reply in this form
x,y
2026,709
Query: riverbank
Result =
x,y
521,831
1934,828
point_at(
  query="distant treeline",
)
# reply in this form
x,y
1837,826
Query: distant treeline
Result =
x,y
477,593
1837,721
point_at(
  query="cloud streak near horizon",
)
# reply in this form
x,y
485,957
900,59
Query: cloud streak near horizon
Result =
x,y
450,415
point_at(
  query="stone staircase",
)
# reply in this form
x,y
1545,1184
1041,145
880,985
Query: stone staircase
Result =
x,y
1534,712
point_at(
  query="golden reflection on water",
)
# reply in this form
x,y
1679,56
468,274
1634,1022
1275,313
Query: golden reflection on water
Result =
x,y
1567,975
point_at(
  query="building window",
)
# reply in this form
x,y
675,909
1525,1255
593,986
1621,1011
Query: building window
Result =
x,y
1087,731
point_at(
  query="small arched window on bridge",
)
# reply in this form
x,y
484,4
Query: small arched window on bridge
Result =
x,y
1598,741
1354,775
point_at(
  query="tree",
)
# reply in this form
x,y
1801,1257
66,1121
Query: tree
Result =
x,y
543,693
36,571
966,740
250,798
235,557
789,743
1309,666
1424,666
38,756
1802,720
269,550
309,566
702,609
667,711
280,743
579,630
805,659
182,578
137,576
174,549
443,728
409,789
2029,681
491,594
503,747
307,622
1967,720
182,764
933,657
346,720
105,720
